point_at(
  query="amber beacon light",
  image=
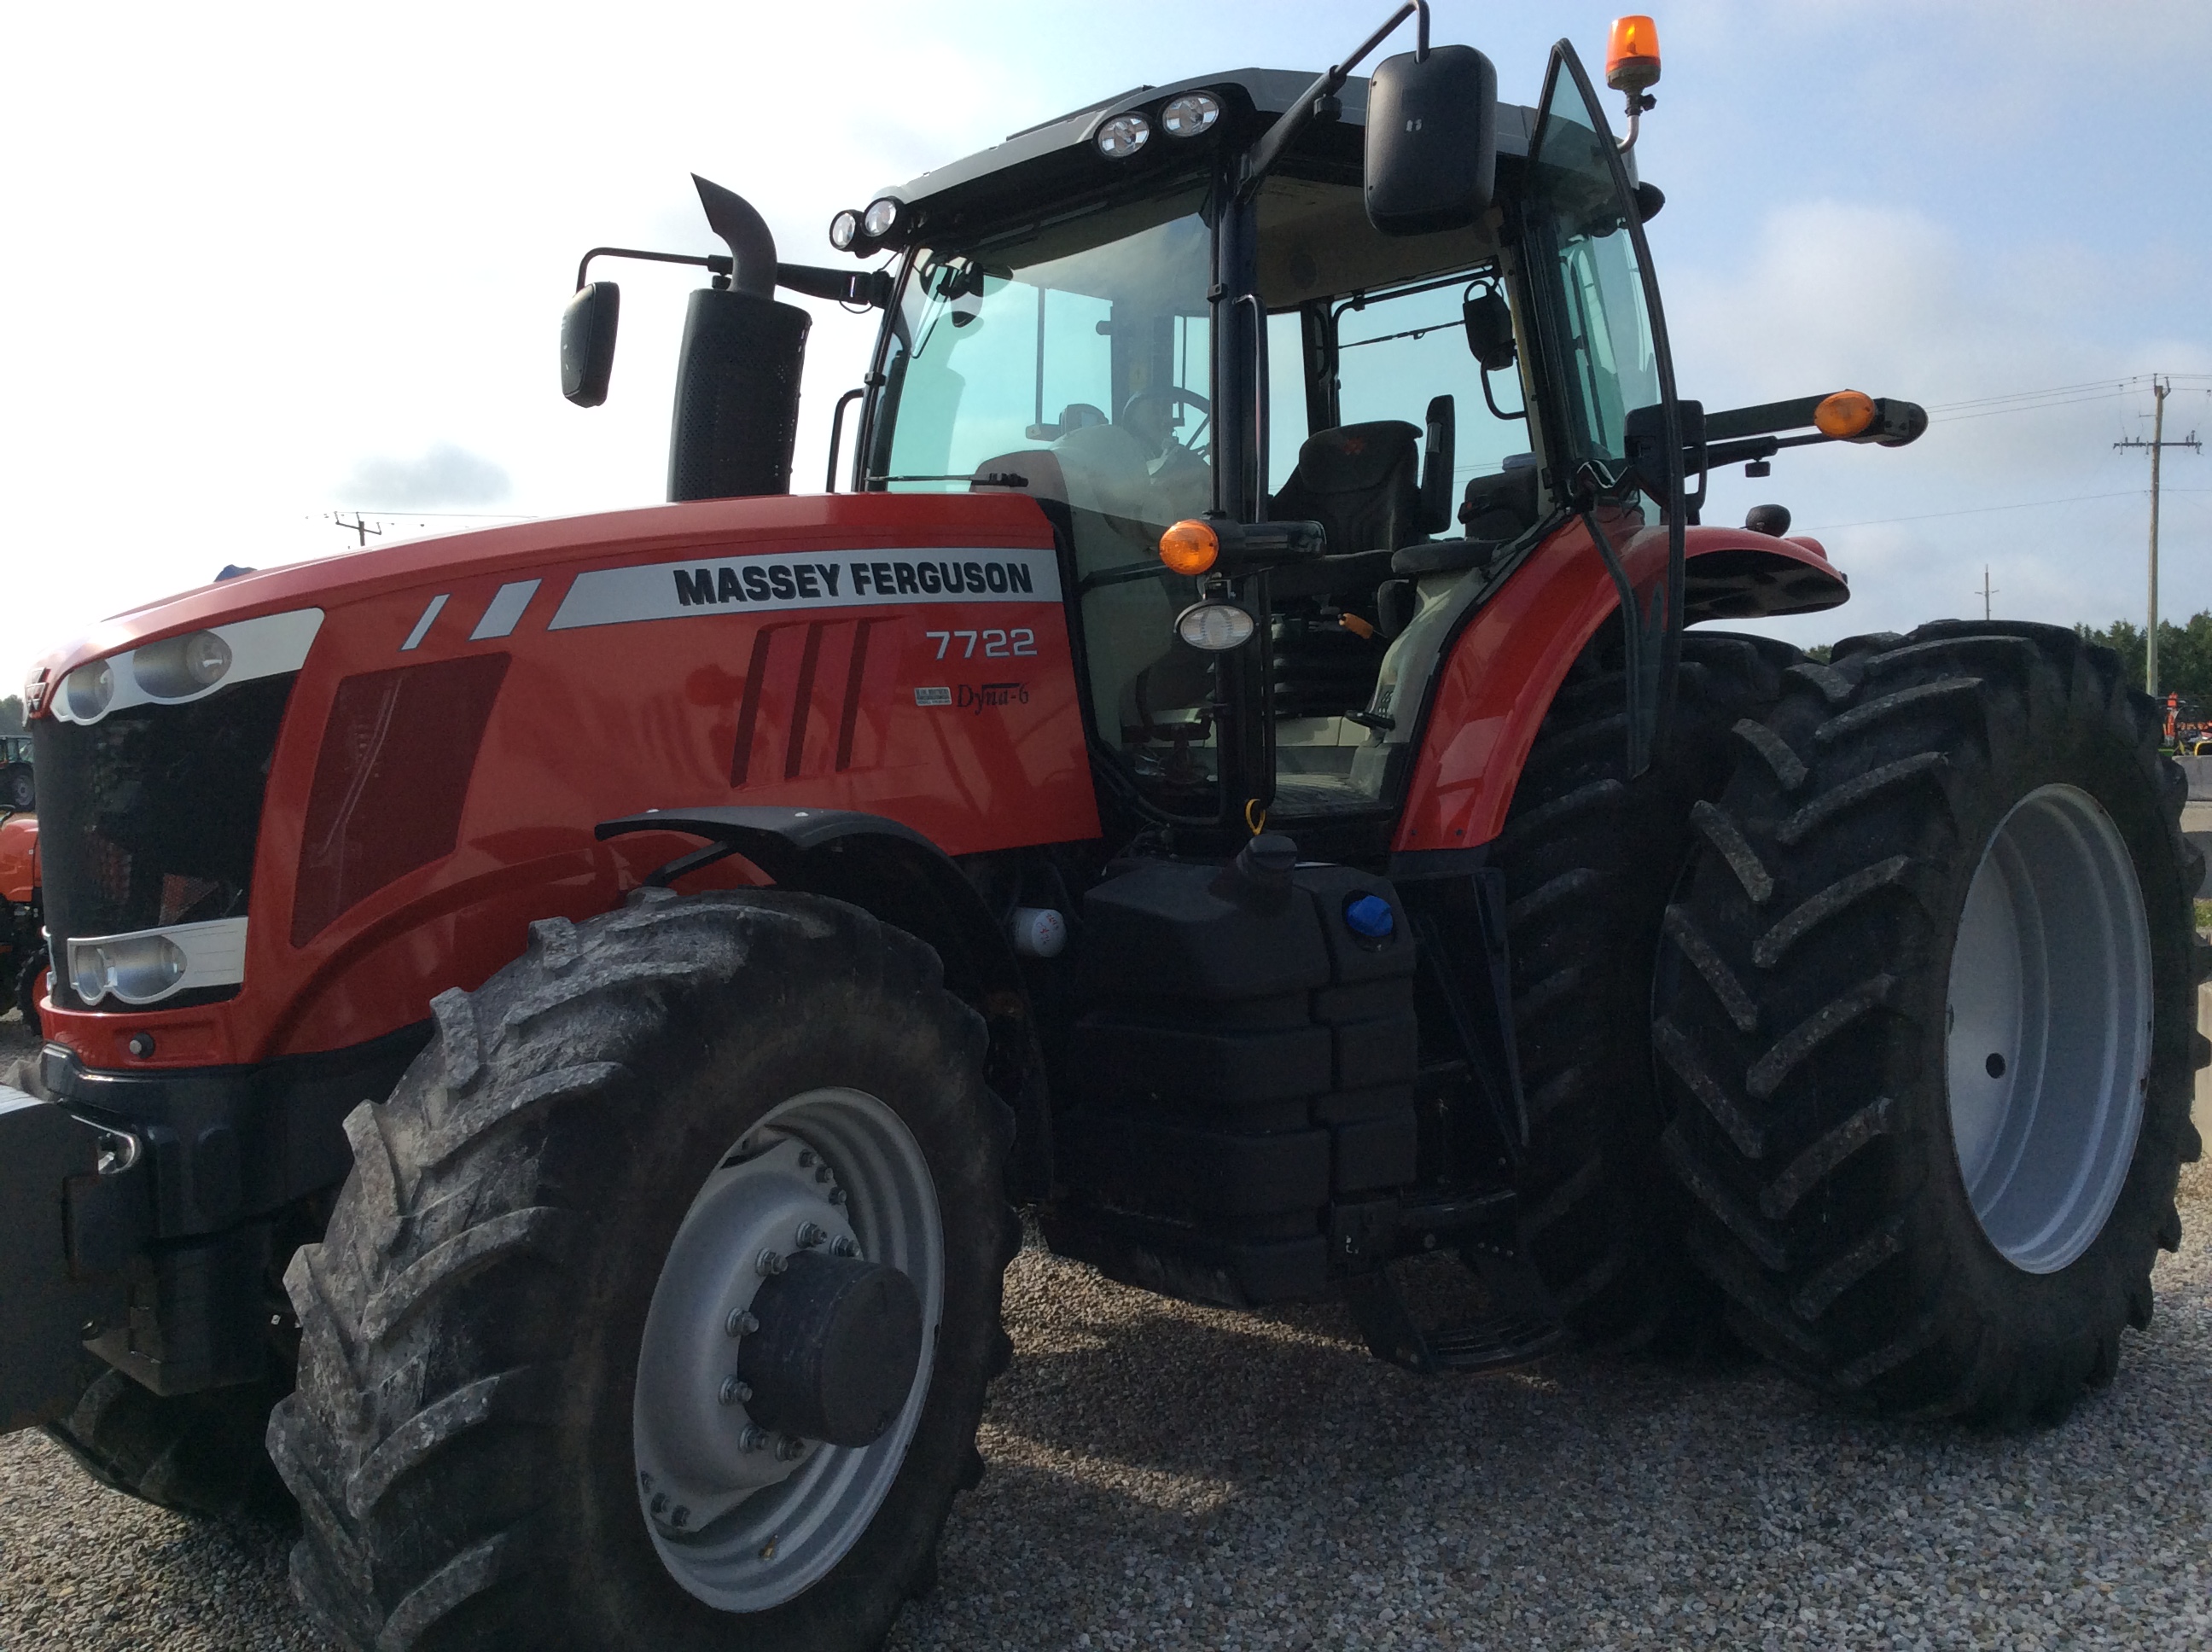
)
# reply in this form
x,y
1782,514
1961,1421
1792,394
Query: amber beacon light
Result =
x,y
1632,56
1190,547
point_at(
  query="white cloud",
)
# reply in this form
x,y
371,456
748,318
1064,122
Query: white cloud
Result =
x,y
444,476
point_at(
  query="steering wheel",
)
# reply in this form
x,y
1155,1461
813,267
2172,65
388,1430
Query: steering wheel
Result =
x,y
1149,416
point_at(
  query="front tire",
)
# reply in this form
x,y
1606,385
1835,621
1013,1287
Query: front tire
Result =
x,y
513,1272
1589,857
1928,1009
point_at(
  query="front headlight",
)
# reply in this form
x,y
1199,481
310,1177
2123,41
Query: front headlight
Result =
x,y
149,965
89,689
136,968
178,666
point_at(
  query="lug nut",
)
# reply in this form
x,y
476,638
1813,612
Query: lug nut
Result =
x,y
770,1261
660,1502
843,1245
789,1449
805,1157
755,1438
740,1323
822,1175
836,1195
811,1234
735,1391
680,1518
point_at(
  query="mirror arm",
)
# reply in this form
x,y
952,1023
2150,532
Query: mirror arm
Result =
x,y
1261,159
714,265
869,287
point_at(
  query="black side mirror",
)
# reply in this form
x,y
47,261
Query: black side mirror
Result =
x,y
1431,140
587,343
1489,320
1436,456
1644,435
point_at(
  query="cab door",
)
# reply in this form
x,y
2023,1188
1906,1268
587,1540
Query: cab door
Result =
x,y
1613,430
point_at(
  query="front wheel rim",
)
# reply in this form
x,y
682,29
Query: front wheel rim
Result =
x,y
745,1525
2048,1030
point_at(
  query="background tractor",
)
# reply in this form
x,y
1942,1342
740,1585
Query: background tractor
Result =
x,y
1238,763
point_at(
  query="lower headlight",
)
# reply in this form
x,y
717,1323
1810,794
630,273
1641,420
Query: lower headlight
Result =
x,y
1215,625
136,968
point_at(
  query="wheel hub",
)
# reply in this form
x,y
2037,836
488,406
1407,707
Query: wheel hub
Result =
x,y
787,1352
2048,1028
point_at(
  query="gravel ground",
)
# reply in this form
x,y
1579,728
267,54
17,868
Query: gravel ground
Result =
x,y
1167,1476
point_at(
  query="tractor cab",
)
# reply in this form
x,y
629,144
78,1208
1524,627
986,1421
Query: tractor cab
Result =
x,y
1136,317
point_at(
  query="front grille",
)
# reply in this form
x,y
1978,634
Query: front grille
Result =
x,y
149,816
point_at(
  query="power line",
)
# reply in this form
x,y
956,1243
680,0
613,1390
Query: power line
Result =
x,y
1976,510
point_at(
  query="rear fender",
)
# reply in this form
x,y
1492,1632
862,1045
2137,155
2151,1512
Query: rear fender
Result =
x,y
1501,672
891,871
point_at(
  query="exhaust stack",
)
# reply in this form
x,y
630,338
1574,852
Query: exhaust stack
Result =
x,y
736,417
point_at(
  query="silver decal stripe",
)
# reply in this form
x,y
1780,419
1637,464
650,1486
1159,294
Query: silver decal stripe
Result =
x,y
423,626
806,580
506,608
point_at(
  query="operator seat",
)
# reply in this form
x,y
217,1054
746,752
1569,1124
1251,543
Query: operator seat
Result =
x,y
1361,482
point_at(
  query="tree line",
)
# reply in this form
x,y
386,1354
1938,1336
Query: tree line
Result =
x,y
2184,655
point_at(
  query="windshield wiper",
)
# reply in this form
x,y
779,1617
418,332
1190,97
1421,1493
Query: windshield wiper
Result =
x,y
1261,161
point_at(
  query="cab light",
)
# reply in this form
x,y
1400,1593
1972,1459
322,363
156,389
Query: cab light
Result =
x,y
881,217
1123,135
89,688
844,230
1846,414
1190,547
1215,625
1191,114
1632,56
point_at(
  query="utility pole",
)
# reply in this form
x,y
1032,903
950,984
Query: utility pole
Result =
x,y
2157,443
359,526
1988,590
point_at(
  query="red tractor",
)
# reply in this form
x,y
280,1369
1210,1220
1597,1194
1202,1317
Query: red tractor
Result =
x,y
1239,769
22,939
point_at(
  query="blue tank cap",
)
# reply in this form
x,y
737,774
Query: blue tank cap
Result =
x,y
1371,915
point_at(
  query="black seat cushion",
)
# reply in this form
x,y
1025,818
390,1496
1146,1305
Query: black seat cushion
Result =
x,y
1361,482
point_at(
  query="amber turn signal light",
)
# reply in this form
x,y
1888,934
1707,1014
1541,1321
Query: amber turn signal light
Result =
x,y
1632,56
1846,414
1190,547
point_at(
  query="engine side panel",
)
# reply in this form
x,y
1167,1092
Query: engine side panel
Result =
x,y
816,652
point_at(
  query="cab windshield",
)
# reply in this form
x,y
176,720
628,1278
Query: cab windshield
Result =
x,y
1074,362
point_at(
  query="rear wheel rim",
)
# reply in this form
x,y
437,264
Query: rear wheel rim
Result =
x,y
739,1526
2048,1028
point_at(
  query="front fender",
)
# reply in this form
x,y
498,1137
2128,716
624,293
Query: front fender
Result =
x,y
1499,676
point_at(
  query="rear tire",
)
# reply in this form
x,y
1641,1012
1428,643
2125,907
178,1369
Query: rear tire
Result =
x,y
1938,945
466,1440
1590,858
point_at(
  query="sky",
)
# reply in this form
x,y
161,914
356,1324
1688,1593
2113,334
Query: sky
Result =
x,y
266,268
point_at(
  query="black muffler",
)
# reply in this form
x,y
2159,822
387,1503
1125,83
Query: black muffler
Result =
x,y
737,378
